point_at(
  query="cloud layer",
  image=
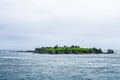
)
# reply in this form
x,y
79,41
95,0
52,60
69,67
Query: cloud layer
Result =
x,y
26,24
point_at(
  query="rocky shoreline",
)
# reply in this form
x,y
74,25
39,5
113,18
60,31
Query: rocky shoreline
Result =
x,y
70,50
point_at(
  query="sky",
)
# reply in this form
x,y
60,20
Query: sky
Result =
x,y
27,24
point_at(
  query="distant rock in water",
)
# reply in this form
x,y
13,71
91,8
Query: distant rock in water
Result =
x,y
110,51
28,51
70,50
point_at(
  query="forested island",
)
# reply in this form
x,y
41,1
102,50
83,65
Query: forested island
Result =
x,y
70,50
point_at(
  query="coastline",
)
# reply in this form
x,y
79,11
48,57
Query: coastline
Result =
x,y
70,50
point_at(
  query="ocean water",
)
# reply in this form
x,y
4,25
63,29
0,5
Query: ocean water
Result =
x,y
28,66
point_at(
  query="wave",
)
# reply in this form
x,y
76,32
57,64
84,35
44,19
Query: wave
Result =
x,y
13,58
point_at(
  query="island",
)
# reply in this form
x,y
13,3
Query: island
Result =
x,y
70,50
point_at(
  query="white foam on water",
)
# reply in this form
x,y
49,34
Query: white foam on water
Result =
x,y
14,58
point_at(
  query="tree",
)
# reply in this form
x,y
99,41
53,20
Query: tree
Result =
x,y
100,50
55,47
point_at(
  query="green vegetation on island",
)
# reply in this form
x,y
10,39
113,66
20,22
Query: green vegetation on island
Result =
x,y
70,50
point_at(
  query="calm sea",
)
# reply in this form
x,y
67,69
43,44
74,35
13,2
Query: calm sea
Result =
x,y
28,66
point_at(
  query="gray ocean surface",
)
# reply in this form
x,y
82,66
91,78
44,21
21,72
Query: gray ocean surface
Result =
x,y
28,66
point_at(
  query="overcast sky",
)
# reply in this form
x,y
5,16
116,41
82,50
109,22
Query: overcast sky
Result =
x,y
27,24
